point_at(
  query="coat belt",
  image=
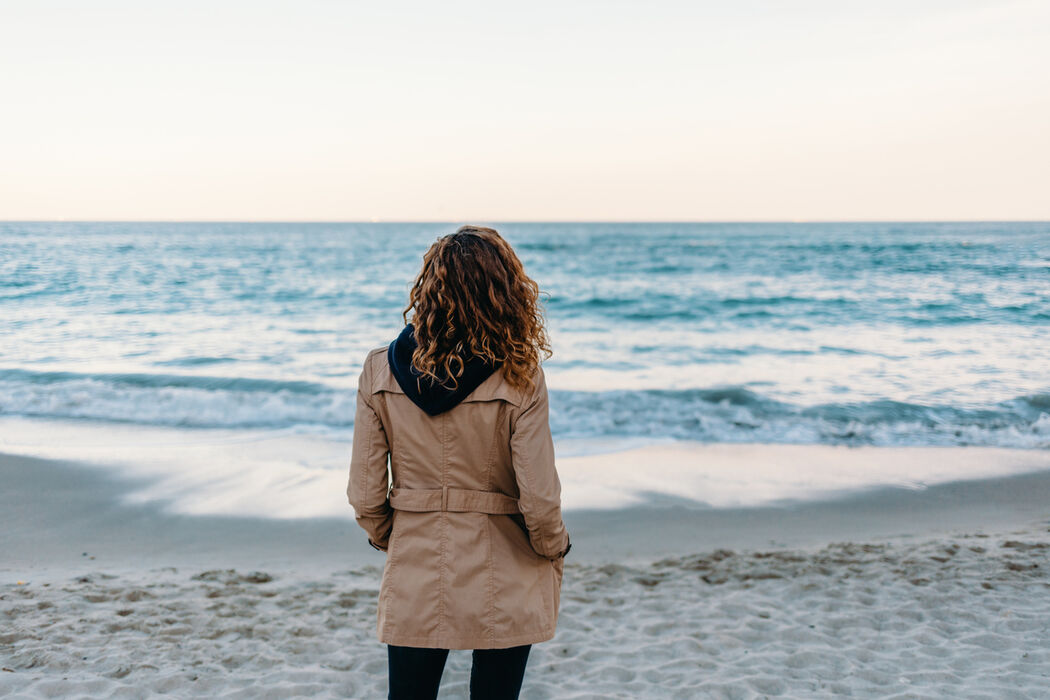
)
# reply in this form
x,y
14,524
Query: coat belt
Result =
x,y
453,500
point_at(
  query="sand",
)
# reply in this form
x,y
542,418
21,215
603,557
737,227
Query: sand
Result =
x,y
940,593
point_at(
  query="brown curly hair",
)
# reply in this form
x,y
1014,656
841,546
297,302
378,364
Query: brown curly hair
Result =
x,y
473,298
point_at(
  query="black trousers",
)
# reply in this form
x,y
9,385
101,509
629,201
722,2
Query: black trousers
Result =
x,y
496,674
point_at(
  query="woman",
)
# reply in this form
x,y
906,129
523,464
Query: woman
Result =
x,y
471,517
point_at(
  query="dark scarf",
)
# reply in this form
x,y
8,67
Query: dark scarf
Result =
x,y
428,394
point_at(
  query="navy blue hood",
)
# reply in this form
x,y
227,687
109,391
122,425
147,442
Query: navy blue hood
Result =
x,y
424,391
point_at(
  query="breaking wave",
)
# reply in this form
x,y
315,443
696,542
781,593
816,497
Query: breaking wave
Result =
x,y
719,414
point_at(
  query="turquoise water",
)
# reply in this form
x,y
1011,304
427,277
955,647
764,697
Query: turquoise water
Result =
x,y
883,334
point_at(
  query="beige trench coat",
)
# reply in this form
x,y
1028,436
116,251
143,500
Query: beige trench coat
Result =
x,y
471,521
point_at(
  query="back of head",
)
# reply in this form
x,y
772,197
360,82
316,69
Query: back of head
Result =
x,y
473,298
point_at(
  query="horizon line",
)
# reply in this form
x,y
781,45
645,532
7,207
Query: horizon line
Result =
x,y
525,221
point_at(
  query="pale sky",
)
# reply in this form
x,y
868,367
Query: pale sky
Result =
x,y
495,111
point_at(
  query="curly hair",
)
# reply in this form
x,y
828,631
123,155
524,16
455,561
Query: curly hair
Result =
x,y
473,298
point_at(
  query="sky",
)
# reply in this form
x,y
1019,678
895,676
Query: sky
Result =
x,y
548,111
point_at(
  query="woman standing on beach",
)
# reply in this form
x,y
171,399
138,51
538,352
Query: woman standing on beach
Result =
x,y
471,517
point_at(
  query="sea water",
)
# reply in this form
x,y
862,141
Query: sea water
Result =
x,y
218,352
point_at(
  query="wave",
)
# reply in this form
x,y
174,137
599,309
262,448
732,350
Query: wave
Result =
x,y
175,400
737,414
717,414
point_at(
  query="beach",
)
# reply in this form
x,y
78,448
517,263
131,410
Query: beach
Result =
x,y
893,592
797,460
781,270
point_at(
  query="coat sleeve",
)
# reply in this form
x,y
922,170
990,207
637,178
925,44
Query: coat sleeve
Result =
x,y
539,489
367,489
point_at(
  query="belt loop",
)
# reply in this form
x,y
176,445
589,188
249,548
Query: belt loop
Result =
x,y
444,497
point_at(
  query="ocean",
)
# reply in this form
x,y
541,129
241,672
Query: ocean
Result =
x,y
204,354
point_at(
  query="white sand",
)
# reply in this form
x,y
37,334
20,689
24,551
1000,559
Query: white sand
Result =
x,y
966,616
915,608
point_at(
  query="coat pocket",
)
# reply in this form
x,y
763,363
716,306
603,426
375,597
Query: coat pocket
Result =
x,y
515,532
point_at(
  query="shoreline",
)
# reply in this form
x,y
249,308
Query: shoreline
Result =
x,y
57,515
937,593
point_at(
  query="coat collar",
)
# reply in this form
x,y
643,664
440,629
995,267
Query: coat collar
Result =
x,y
424,392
